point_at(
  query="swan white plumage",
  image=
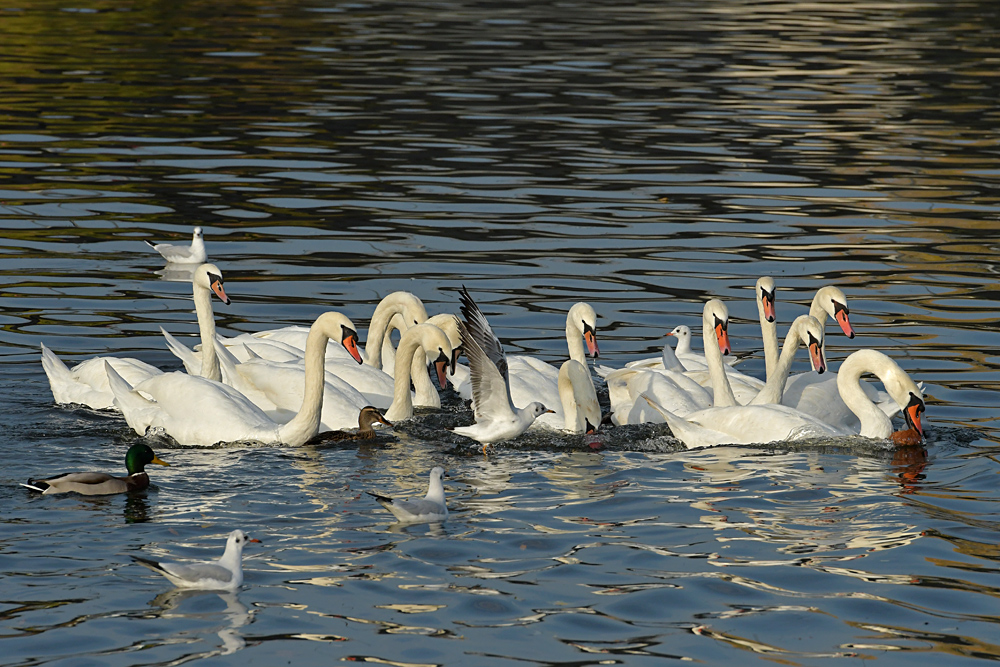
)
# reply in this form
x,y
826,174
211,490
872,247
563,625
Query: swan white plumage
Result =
x,y
435,345
749,424
578,399
87,382
183,254
199,412
496,417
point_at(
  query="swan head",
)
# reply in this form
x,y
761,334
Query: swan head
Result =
x,y
832,300
715,317
448,323
810,333
584,317
408,305
903,390
436,346
208,276
911,413
765,297
349,339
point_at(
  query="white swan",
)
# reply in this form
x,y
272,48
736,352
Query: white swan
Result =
x,y
750,424
435,345
87,382
496,417
831,301
182,254
199,412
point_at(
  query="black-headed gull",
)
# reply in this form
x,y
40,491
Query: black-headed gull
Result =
x,y
101,483
431,508
225,574
496,417
182,254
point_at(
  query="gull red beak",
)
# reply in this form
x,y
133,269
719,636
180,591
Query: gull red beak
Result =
x,y
253,539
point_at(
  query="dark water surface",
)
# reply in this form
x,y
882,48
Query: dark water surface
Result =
x,y
642,158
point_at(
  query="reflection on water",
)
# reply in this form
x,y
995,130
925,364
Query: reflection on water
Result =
x,y
641,158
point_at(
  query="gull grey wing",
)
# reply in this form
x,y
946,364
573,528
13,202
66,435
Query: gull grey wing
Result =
x,y
174,251
482,333
198,571
420,507
490,393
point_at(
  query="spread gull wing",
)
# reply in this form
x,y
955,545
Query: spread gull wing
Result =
x,y
490,393
482,333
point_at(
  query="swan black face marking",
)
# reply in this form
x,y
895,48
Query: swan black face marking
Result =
x,y
215,281
722,334
841,314
590,336
816,355
913,411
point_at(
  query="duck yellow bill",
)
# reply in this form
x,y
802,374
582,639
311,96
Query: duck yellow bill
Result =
x,y
157,460
350,344
220,291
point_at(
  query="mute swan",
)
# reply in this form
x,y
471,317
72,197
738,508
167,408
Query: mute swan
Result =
x,y
435,346
750,424
533,380
225,573
831,301
496,417
369,415
183,254
431,508
200,412
101,483
87,383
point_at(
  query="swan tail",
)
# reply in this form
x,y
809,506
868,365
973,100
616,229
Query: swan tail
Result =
x,y
190,359
691,434
134,406
58,373
227,365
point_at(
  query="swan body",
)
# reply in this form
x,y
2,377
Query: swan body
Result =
x,y
181,254
679,393
199,412
87,382
100,483
226,573
750,424
533,380
432,507
496,417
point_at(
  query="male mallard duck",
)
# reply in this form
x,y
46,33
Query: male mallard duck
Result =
x,y
101,483
368,416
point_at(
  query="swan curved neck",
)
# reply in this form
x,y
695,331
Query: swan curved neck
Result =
x,y
206,327
769,334
716,369
874,422
778,376
574,340
305,424
402,403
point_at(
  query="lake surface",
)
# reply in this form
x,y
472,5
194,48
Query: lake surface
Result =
x,y
641,158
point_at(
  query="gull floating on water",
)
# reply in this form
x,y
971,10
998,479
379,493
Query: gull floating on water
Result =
x,y
431,508
224,574
101,483
182,254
